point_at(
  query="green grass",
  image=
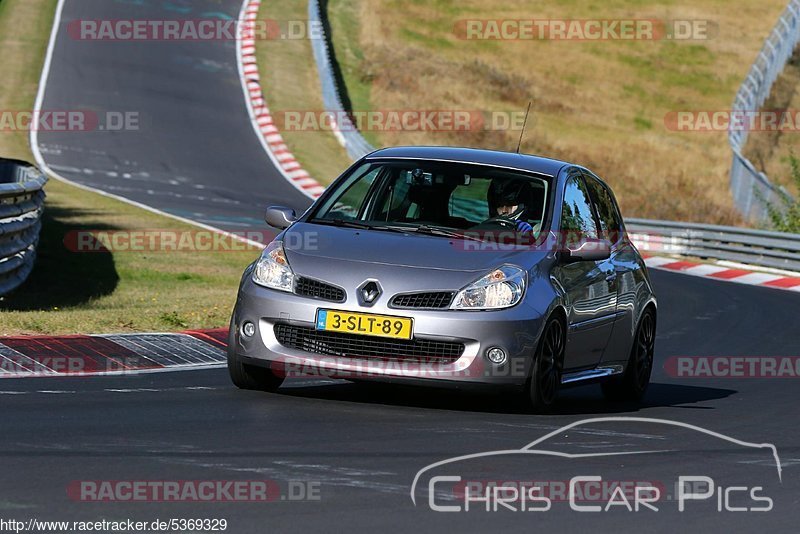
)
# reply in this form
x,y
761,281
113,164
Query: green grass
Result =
x,y
430,42
642,123
24,32
120,291
784,215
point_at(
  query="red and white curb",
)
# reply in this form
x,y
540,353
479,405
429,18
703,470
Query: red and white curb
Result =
x,y
123,354
115,354
724,273
260,115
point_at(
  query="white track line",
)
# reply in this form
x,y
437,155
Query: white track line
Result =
x,y
118,373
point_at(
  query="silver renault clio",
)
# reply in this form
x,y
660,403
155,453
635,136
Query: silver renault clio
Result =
x,y
451,267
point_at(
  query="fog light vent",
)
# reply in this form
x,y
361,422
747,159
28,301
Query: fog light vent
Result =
x,y
248,329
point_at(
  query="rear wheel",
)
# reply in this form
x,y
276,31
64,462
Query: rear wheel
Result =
x,y
246,376
633,384
545,378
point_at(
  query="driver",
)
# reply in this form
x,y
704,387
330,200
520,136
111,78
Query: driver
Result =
x,y
510,198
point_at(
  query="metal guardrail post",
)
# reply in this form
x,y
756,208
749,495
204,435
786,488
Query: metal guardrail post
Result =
x,y
21,206
754,247
344,130
744,178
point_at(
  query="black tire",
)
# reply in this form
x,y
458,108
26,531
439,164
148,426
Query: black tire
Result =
x,y
546,368
632,385
246,376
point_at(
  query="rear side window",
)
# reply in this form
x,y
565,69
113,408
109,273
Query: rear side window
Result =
x,y
469,201
577,219
610,219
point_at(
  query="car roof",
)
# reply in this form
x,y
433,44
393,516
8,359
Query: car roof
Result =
x,y
526,162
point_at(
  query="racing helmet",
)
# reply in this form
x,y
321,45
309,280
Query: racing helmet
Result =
x,y
510,192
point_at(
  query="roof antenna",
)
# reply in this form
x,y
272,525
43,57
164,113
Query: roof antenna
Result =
x,y
523,125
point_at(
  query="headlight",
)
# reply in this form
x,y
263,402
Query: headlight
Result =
x,y
501,288
272,269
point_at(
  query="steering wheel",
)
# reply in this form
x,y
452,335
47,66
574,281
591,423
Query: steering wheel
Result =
x,y
505,222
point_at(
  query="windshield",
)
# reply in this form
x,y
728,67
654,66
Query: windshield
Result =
x,y
424,195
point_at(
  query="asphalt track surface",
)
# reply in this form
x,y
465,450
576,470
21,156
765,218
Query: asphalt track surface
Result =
x,y
193,153
361,445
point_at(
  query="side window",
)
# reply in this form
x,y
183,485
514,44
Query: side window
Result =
x,y
610,219
349,204
577,219
469,201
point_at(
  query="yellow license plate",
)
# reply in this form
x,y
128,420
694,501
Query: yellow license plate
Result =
x,y
366,324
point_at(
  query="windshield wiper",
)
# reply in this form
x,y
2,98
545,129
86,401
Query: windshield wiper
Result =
x,y
421,229
343,223
429,230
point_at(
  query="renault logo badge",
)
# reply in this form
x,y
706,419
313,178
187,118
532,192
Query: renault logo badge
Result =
x,y
369,292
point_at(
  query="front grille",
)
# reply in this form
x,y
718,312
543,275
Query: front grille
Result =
x,y
430,300
318,290
367,347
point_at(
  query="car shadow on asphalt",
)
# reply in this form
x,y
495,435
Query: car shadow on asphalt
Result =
x,y
572,401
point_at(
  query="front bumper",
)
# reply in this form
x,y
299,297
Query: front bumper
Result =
x,y
516,330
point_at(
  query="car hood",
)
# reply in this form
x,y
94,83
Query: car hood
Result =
x,y
305,243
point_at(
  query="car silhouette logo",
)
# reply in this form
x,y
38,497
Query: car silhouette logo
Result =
x,y
369,292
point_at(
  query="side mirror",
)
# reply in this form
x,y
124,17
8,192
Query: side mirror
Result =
x,y
586,250
280,217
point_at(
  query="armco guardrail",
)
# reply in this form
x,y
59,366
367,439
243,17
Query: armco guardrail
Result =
x,y
21,206
751,188
347,134
754,247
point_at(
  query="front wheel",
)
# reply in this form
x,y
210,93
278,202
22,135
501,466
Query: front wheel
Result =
x,y
246,376
633,384
545,378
